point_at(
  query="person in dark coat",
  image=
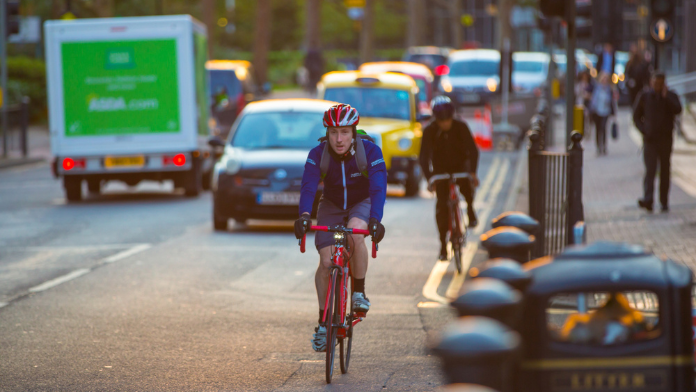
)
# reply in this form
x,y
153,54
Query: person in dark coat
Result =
x,y
653,115
314,63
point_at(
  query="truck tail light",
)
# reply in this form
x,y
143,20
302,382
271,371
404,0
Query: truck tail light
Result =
x,y
69,163
176,160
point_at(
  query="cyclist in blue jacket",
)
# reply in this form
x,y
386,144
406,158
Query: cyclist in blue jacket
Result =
x,y
348,193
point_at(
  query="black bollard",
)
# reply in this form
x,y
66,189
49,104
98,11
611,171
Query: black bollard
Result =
x,y
478,350
507,270
508,242
490,298
516,219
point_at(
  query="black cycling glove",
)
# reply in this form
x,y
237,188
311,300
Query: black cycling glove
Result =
x,y
302,225
376,230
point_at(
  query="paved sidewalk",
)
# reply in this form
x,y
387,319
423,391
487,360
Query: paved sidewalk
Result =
x,y
39,147
613,183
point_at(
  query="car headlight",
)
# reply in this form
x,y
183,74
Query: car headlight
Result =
x,y
492,85
446,85
233,165
405,143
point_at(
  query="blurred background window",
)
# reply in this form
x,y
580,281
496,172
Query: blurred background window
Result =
x,y
373,102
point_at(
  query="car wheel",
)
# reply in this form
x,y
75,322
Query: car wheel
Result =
x,y
413,182
94,186
205,181
220,223
73,188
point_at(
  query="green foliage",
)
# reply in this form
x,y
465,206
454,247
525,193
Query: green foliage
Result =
x,y
27,76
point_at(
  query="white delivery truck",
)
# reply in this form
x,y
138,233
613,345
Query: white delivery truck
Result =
x,y
128,101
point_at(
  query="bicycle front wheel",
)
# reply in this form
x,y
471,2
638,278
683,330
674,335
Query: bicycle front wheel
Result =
x,y
456,238
347,342
331,325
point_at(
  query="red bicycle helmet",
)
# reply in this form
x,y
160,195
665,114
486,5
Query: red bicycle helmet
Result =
x,y
341,115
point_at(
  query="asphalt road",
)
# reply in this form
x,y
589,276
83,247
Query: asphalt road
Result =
x,y
133,290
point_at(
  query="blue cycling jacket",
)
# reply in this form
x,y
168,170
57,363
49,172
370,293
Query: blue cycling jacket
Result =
x,y
344,185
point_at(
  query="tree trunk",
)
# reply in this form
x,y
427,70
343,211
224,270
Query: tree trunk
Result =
x,y
262,39
690,35
367,33
104,8
313,25
455,15
57,9
416,21
209,21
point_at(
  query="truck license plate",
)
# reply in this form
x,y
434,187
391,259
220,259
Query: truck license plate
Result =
x,y
134,161
279,198
469,98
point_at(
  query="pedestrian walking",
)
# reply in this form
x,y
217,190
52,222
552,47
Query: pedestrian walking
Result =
x,y
654,115
637,74
601,107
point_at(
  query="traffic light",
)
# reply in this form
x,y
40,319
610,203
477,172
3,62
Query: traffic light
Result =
x,y
11,17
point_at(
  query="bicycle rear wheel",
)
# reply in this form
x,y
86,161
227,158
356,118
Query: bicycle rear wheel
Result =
x,y
347,342
330,328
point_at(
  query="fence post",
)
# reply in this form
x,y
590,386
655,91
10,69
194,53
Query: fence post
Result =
x,y
536,190
24,125
575,211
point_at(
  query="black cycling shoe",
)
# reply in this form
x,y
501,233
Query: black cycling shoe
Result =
x,y
444,254
473,221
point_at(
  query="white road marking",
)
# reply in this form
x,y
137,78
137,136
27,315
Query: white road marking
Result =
x,y
127,253
430,305
433,282
495,192
79,248
488,181
59,280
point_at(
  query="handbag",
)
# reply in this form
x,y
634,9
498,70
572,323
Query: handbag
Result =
x,y
615,130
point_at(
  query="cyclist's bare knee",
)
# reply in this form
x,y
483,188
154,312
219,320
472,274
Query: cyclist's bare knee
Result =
x,y
357,223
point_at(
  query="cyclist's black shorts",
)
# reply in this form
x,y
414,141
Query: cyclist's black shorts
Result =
x,y
328,214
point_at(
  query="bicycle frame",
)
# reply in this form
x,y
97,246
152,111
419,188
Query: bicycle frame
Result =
x,y
453,197
338,261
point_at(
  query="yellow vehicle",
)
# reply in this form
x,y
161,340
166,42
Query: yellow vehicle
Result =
x,y
387,106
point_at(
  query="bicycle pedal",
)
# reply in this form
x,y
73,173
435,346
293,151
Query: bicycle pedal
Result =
x,y
360,314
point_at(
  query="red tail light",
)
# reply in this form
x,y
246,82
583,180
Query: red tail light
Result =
x,y
69,163
177,160
442,70
241,103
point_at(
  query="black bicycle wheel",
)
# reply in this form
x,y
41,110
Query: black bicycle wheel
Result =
x,y
456,239
457,248
330,329
348,340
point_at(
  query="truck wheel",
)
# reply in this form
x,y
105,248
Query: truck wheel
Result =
x,y
219,224
94,186
192,182
73,188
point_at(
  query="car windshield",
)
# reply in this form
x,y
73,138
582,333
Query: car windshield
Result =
x,y
287,129
528,66
224,82
373,102
430,60
474,68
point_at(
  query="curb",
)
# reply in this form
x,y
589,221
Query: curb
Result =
x,y
517,180
14,162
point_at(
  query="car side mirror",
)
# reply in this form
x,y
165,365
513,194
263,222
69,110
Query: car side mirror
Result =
x,y
423,117
267,87
216,142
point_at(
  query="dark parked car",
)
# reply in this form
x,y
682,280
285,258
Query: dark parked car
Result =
x,y
259,175
433,57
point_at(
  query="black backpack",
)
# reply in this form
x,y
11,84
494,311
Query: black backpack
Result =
x,y
360,155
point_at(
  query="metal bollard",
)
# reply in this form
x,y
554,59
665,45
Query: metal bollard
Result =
x,y
478,350
508,242
490,298
24,125
516,219
507,270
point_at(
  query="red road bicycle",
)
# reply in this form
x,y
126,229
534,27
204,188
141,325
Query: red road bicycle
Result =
x,y
339,318
456,227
